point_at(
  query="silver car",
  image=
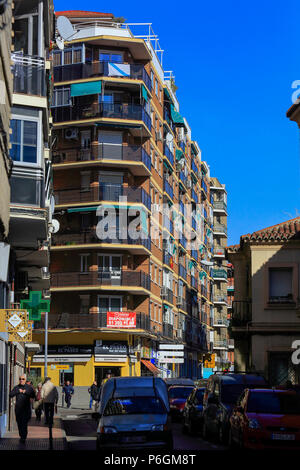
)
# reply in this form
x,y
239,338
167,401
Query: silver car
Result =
x,y
134,414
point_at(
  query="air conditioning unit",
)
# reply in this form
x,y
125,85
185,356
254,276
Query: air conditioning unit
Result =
x,y
71,133
159,136
156,207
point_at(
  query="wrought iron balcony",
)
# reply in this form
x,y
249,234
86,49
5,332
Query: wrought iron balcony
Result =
x,y
103,192
194,196
221,321
168,189
89,236
87,321
63,73
101,278
101,152
182,271
133,112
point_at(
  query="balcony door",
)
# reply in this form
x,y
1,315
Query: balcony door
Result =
x,y
109,304
110,145
85,151
110,268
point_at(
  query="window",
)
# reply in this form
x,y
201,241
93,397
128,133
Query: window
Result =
x,y
24,140
85,180
152,78
108,56
109,304
61,97
26,35
280,285
156,87
69,56
84,265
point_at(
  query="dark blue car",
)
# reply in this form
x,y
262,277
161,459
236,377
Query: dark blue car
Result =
x,y
193,412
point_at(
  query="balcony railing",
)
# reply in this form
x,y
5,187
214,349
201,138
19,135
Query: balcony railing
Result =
x,y
204,186
203,291
63,73
169,154
101,278
219,273
167,294
103,192
168,330
167,258
241,312
194,196
183,178
89,236
181,144
221,343
134,112
220,298
220,206
194,168
220,228
86,321
182,303
104,152
168,189
194,282
29,75
218,250
221,320
182,271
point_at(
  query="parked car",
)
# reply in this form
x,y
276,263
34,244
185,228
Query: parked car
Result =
x,y
266,419
178,395
134,414
192,414
221,394
180,381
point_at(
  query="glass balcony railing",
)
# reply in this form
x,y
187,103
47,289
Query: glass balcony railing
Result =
x,y
63,73
133,112
220,228
194,168
29,75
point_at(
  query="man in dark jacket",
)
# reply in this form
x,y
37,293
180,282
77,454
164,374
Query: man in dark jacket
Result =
x,y
68,390
23,394
95,392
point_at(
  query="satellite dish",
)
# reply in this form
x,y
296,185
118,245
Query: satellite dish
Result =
x,y
60,43
55,226
65,27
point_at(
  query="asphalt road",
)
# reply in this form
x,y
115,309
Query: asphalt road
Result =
x,y
80,429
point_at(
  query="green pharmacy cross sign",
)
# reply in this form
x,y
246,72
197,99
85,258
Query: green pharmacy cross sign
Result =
x,y
35,305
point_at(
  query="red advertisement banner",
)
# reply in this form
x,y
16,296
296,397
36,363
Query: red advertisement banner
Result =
x,y
121,319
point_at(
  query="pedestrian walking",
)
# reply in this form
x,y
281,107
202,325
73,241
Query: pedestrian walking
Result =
x,y
94,391
49,396
108,376
68,390
23,393
38,403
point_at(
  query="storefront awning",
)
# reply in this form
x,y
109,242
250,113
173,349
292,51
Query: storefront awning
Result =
x,y
86,88
150,366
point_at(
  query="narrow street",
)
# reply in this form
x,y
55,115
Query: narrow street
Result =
x,y
80,429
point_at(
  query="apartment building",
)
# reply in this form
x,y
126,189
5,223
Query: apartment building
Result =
x,y
219,274
125,277
265,313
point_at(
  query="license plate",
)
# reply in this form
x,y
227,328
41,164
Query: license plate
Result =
x,y
283,437
134,439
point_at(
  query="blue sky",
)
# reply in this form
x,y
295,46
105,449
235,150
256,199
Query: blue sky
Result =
x,y
234,64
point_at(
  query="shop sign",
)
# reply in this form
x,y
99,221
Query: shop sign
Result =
x,y
60,349
210,364
117,348
121,320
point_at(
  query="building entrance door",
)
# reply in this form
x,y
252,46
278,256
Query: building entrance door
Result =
x,y
101,373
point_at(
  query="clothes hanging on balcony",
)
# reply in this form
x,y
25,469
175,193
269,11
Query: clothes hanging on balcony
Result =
x,y
118,70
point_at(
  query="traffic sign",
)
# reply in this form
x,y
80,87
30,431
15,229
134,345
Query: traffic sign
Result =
x,y
170,353
171,360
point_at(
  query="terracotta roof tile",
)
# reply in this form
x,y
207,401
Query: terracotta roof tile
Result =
x,y
287,230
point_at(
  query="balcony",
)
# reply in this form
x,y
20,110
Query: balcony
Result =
x,y
89,237
219,274
194,168
101,279
220,206
87,321
182,271
220,298
204,186
194,196
169,154
181,303
168,330
167,294
65,73
183,241
29,75
220,321
168,189
183,178
194,254
102,152
194,283
204,291
220,229
168,259
221,344
241,313
104,192
218,251
134,112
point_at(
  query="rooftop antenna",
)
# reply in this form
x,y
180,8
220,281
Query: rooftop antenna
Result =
x,y
65,30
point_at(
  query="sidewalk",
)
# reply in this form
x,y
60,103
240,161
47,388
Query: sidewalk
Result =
x,y
37,438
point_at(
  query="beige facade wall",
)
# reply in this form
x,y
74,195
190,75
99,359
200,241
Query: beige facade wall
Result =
x,y
5,105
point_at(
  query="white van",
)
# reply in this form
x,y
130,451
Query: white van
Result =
x,y
134,414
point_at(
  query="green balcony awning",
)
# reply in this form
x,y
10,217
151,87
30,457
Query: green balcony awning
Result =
x,y
179,155
168,166
168,95
176,117
144,93
86,88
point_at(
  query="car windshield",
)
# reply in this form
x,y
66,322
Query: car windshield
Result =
x,y
180,392
273,403
199,396
133,406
